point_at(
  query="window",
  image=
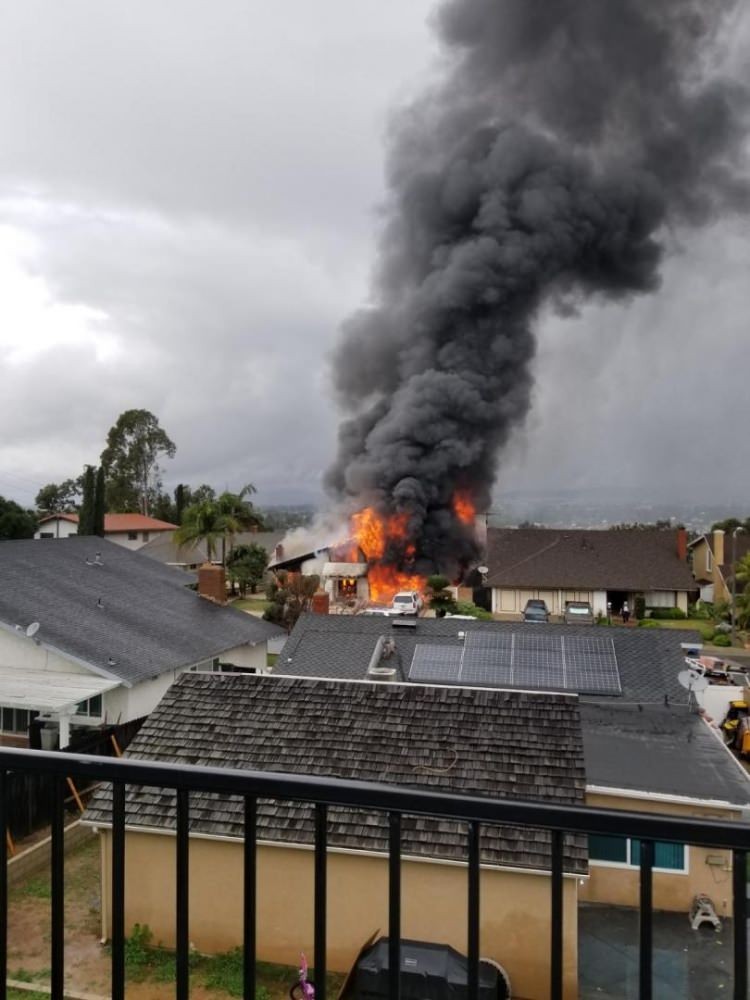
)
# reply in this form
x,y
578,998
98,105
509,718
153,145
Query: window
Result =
x,y
16,720
132,536
709,560
92,708
46,534
622,851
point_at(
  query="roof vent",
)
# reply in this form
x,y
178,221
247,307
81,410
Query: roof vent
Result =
x,y
383,665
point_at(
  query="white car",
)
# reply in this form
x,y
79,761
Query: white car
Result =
x,y
406,602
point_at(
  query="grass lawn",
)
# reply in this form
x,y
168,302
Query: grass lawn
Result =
x,y
695,624
255,605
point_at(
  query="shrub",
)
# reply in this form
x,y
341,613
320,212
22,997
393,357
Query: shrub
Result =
x,y
722,640
668,614
648,623
707,634
467,608
639,607
702,610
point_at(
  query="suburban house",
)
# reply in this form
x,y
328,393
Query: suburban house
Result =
x,y
466,741
91,633
604,567
712,557
646,747
341,566
130,530
165,550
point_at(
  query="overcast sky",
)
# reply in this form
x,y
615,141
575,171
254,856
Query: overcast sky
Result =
x,y
189,200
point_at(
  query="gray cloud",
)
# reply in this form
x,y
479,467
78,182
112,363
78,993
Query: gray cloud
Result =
x,y
200,187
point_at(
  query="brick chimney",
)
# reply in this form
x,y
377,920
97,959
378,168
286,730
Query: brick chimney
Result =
x,y
212,583
718,547
321,603
682,544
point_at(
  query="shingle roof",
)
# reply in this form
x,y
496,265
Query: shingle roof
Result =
x,y
164,549
150,622
594,560
489,743
666,750
341,646
623,745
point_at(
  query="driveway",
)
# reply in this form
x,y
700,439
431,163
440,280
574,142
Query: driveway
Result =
x,y
687,963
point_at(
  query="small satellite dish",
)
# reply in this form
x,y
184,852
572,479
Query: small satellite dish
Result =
x,y
692,680
32,630
483,570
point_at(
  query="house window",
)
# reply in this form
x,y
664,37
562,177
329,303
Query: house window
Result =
x,y
623,851
46,534
132,536
709,560
92,707
16,720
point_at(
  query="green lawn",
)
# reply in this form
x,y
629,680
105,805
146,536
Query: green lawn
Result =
x,y
255,605
689,623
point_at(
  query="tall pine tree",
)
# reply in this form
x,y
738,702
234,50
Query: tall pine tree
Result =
x,y
99,504
86,513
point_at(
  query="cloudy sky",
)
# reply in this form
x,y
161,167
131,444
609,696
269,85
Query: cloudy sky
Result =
x,y
189,204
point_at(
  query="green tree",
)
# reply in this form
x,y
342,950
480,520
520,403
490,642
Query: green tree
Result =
x,y
135,444
100,505
206,522
441,600
290,594
15,521
246,566
180,501
86,513
239,511
730,523
58,498
742,573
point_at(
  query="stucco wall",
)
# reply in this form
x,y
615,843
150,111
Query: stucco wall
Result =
x,y
16,650
60,528
619,885
515,926
247,656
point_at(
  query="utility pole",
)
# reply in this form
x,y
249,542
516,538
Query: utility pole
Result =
x,y
734,581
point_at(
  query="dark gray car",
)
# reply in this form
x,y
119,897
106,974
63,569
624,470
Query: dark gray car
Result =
x,y
535,611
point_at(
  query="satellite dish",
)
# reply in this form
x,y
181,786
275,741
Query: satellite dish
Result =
x,y
483,570
692,680
32,630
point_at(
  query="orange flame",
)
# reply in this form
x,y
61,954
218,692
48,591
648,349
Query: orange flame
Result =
x,y
464,508
374,535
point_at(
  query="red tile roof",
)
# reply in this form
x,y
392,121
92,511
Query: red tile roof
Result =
x,y
120,522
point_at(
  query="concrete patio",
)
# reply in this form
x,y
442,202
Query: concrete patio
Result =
x,y
687,963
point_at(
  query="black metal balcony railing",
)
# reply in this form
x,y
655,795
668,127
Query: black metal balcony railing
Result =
x,y
396,802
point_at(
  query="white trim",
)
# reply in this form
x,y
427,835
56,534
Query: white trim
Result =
x,y
281,845
629,793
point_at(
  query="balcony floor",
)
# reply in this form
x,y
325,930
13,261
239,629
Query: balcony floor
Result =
x,y
687,963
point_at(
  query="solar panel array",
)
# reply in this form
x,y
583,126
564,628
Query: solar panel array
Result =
x,y
584,664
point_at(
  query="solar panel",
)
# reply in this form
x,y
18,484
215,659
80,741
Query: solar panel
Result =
x,y
591,665
542,661
440,664
487,658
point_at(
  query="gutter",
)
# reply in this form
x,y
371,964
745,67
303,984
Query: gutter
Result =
x,y
629,793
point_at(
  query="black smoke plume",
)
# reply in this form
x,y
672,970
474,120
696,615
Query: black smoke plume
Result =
x,y
565,140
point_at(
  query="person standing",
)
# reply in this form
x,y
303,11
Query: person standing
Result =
x,y
625,613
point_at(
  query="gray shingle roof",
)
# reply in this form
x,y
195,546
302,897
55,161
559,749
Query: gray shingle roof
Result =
x,y
488,743
341,646
624,745
164,549
150,621
666,750
586,559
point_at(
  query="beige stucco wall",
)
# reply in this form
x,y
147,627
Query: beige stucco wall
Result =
x,y
619,885
515,906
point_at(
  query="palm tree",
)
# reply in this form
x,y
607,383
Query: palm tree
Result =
x,y
206,522
238,511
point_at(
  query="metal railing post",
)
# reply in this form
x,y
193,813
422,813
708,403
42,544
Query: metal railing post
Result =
x,y
250,889
321,891
646,936
556,906
394,906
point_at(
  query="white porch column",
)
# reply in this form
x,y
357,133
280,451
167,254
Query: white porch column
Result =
x,y
64,721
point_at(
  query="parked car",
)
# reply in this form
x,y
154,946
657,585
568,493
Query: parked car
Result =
x,y
406,602
578,613
535,611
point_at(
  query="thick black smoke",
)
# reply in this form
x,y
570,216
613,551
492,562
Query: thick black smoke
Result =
x,y
567,136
